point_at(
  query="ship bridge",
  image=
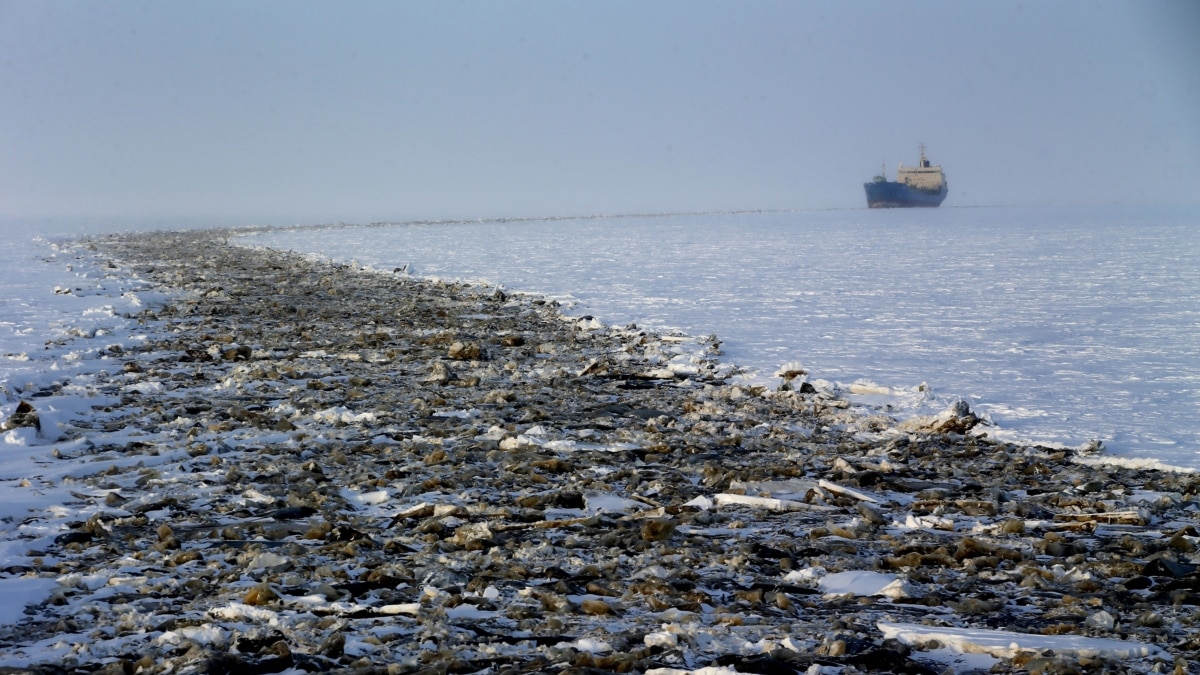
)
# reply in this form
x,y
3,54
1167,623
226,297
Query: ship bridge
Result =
x,y
924,176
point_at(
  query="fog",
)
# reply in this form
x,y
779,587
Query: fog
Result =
x,y
229,112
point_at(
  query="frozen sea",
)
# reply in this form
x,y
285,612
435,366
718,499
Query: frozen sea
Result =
x,y
1060,325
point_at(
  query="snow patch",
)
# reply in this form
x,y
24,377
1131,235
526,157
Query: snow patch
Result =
x,y
1007,644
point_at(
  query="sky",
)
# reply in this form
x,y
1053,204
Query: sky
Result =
x,y
282,112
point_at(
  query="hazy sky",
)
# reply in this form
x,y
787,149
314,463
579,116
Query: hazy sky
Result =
x,y
306,111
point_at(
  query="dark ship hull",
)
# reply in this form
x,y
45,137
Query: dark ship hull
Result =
x,y
889,195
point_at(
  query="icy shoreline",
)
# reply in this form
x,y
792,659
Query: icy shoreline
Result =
x,y
301,467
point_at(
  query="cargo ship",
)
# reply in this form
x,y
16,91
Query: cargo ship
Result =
x,y
920,185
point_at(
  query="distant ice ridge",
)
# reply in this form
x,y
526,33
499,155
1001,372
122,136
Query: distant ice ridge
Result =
x,y
1059,326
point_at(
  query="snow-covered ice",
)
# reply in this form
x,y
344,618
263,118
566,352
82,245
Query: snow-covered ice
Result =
x,y
61,315
1007,643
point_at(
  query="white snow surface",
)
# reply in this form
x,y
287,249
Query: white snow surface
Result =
x,y
61,314
1059,325
863,582
1007,644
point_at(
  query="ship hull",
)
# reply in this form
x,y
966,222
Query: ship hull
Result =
x,y
889,195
